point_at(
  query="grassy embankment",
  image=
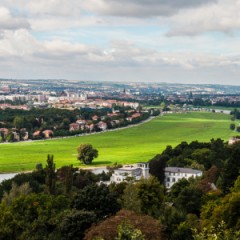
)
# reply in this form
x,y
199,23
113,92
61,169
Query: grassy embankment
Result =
x,y
139,143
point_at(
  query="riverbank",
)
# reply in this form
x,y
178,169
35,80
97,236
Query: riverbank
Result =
x,y
95,170
6,176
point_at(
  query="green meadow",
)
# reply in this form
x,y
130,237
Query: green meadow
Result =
x,y
138,143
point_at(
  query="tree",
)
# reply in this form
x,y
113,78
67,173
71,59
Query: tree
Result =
x,y
232,126
227,210
170,218
177,188
232,168
130,199
202,156
97,198
109,228
50,175
18,122
150,192
144,197
86,153
219,232
74,224
157,166
127,232
190,200
16,191
32,216
68,182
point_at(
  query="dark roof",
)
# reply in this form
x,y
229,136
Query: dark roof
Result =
x,y
182,170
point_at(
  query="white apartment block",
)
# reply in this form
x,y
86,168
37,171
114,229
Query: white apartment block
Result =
x,y
174,174
135,172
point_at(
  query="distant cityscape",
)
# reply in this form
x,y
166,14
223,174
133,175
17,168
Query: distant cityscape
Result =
x,y
69,94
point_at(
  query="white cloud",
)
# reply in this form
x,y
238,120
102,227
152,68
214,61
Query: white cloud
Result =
x,y
7,21
30,46
21,44
223,16
141,8
45,7
17,43
183,17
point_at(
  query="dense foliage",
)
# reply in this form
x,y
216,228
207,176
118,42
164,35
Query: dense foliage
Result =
x,y
31,124
86,153
69,203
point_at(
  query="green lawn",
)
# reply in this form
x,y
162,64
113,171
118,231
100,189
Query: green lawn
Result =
x,y
139,143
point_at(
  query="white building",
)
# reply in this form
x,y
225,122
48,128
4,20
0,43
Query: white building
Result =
x,y
135,171
174,174
233,140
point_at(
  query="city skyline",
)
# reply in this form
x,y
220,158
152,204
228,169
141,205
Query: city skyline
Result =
x,y
100,40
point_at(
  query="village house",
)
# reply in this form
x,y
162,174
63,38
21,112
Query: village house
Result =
x,y
233,140
81,121
95,118
111,115
134,105
15,135
102,125
136,115
115,123
131,172
4,131
48,133
91,127
83,124
174,174
36,133
73,127
129,119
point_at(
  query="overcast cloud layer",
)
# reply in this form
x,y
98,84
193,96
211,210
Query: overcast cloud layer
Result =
x,y
128,40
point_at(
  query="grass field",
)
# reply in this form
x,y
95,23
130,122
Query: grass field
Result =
x,y
139,143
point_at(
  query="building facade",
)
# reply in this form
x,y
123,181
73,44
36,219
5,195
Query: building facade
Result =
x,y
174,174
131,172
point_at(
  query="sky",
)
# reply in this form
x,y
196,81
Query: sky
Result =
x,y
175,41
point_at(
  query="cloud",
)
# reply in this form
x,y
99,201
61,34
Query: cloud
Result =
x,y
7,21
178,17
21,44
60,38
24,57
224,16
132,8
44,7
141,8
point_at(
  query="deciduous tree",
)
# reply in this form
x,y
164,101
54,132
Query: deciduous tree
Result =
x,y
86,153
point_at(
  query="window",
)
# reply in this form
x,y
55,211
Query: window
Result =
x,y
168,179
173,180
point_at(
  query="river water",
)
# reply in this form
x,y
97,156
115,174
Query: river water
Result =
x,y
6,176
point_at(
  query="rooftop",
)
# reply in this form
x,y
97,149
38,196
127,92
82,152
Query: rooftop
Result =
x,y
182,170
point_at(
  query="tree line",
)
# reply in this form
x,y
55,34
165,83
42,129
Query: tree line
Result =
x,y
25,123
